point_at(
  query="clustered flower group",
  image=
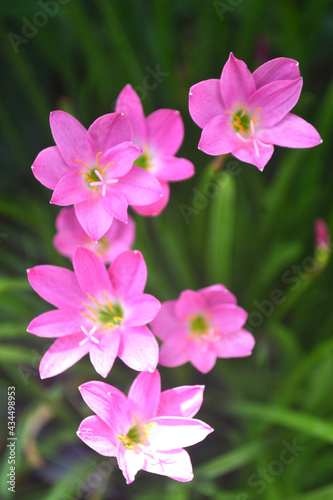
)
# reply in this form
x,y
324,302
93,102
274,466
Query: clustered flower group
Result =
x,y
126,159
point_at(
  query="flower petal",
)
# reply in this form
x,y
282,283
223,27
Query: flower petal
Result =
x,y
281,68
217,294
122,157
237,83
156,207
56,323
175,351
205,101
115,203
166,320
139,186
129,462
177,432
56,285
103,354
218,136
128,273
165,132
93,217
140,309
90,272
182,401
49,167
144,394
128,102
62,354
227,318
249,154
71,189
291,132
189,303
234,345
109,130
175,464
171,168
202,355
139,348
95,433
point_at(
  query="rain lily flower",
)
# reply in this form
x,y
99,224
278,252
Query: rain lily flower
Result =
x,y
70,235
201,326
146,430
100,312
322,235
160,136
93,170
245,113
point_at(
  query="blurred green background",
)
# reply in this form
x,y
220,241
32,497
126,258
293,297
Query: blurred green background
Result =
x,y
272,412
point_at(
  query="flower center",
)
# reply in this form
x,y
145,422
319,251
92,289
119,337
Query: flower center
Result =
x,y
137,435
198,325
241,120
144,161
108,315
96,176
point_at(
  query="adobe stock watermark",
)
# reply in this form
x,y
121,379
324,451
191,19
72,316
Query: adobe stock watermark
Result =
x,y
31,26
264,476
228,6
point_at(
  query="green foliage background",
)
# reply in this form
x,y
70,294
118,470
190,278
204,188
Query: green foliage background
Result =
x,y
254,233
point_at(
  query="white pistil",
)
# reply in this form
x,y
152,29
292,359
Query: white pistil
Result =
x,y
89,335
254,140
102,182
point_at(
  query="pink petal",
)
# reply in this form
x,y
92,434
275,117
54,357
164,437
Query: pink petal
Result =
x,y
49,167
98,435
56,285
155,208
90,272
139,348
128,102
93,217
128,273
248,154
281,68
190,303
70,233
71,189
140,309
177,432
115,204
129,462
218,137
121,237
144,394
174,351
237,83
217,294
235,345
72,138
166,320
291,132
103,355
175,464
62,354
109,404
275,99
182,401
171,168
227,318
122,156
202,355
56,323
205,101
139,186
109,130
165,132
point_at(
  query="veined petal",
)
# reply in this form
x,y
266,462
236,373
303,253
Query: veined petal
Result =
x,y
237,83
218,136
95,433
182,401
291,132
171,168
177,432
109,404
140,309
246,152
71,138
62,354
234,345
144,394
275,99
128,102
56,323
128,273
166,320
139,348
156,207
103,354
92,216
175,350
129,462
205,101
139,186
71,189
115,203
109,130
49,167
165,132
189,303
122,156
90,272
217,294
56,285
227,318
175,464
281,68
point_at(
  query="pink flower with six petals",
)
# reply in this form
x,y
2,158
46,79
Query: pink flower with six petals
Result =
x,y
93,170
101,312
160,136
146,430
201,326
70,235
245,113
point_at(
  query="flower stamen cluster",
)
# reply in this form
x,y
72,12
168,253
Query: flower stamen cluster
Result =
x,y
107,315
95,176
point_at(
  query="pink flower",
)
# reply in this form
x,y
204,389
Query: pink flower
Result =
x,y
146,430
160,136
118,238
245,114
201,326
98,311
93,170
322,235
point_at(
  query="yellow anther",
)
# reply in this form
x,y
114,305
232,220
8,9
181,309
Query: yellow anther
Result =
x,y
117,318
94,300
82,163
90,309
240,106
89,317
255,119
110,306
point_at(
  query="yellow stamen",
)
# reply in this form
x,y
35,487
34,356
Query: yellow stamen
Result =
x,y
90,309
86,176
255,119
82,163
240,106
95,301
89,317
117,318
110,306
